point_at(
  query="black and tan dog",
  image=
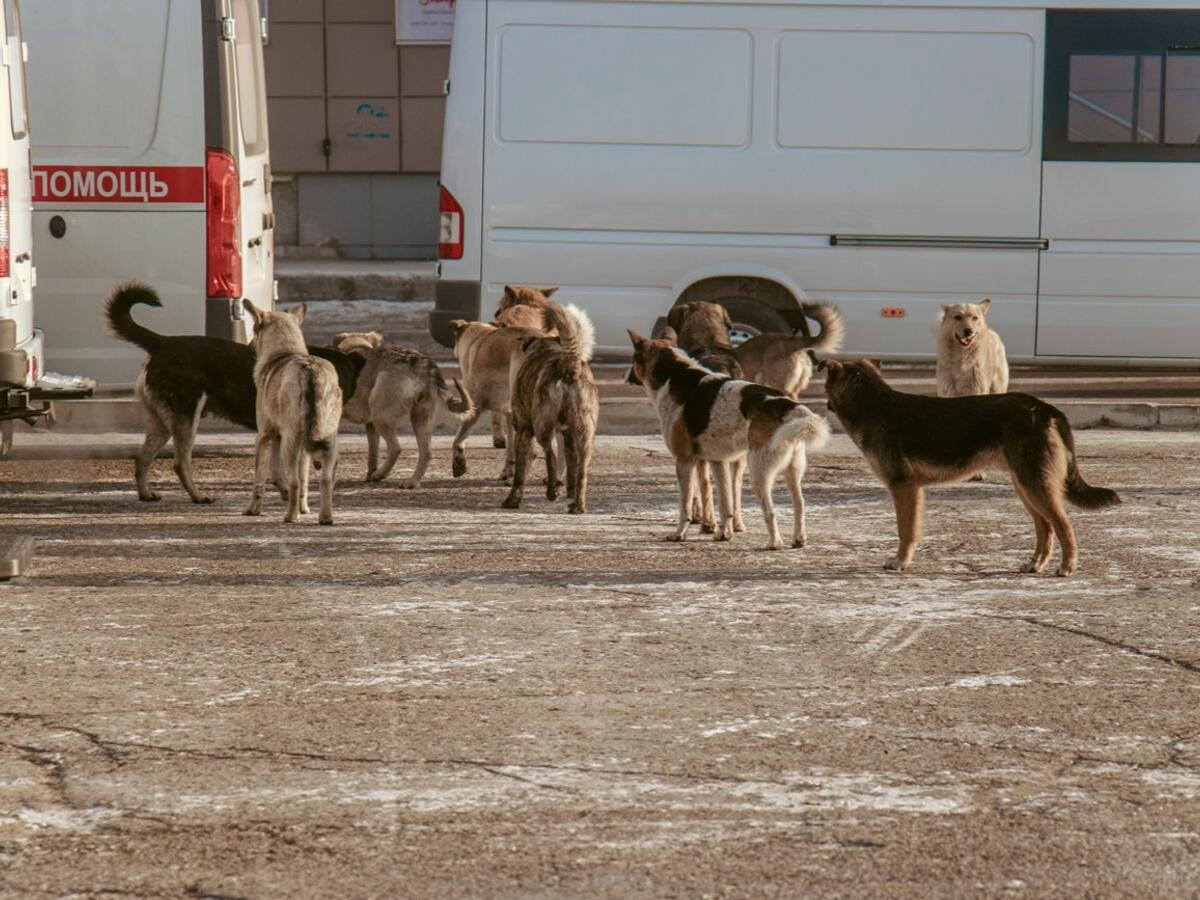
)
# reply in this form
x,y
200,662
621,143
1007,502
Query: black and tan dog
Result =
x,y
554,394
186,376
913,441
709,417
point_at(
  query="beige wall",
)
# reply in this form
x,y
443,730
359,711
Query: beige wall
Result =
x,y
334,72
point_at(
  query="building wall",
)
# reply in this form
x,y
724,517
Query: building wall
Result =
x,y
356,128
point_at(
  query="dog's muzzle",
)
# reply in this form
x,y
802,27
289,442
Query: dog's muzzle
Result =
x,y
966,339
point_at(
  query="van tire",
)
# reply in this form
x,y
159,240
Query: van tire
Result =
x,y
751,317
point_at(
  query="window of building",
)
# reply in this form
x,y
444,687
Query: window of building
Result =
x,y
1122,86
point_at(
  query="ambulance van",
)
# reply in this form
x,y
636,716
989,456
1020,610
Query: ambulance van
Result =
x,y
150,162
888,157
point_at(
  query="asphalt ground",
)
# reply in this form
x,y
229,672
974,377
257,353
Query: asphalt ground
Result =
x,y
437,697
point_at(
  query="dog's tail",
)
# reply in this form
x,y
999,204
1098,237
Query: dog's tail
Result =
x,y
321,418
461,405
575,330
117,310
833,327
1079,492
801,425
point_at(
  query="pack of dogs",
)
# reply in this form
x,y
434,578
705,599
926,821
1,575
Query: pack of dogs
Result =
x,y
722,410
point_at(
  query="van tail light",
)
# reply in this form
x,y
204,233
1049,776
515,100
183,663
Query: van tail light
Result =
x,y
450,226
224,244
4,223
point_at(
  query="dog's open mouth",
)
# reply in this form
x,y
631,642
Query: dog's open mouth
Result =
x,y
966,339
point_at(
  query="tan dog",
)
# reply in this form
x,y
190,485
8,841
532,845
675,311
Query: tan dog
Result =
x,y
299,406
913,441
553,394
785,362
484,352
521,306
970,358
394,383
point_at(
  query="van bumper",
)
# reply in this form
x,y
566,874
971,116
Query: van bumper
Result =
x,y
453,300
20,364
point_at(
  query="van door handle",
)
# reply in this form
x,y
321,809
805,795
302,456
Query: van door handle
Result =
x,y
24,257
268,220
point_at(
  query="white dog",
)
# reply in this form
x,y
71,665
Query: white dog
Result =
x,y
970,357
298,408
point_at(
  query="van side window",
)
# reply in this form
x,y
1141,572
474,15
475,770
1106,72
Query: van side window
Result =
x,y
1122,86
16,70
248,54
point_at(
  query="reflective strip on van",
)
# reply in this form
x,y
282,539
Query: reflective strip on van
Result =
x,y
118,184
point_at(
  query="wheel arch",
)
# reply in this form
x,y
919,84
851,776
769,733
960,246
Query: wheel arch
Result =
x,y
769,286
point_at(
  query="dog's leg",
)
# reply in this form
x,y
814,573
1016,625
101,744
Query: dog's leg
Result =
x,y
499,439
794,473
157,435
386,428
582,462
570,451
562,462
510,454
305,463
1044,546
725,494
183,435
738,469
685,473
762,476
523,439
277,469
328,479
1051,506
909,501
261,447
293,460
422,426
548,441
458,456
372,450
702,498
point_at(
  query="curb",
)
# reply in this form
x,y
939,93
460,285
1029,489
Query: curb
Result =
x,y
634,415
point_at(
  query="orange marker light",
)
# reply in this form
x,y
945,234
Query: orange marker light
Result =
x,y
892,312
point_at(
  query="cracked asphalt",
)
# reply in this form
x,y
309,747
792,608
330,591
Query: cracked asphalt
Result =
x,y
437,697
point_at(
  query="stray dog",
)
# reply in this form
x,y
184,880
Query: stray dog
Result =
x,y
701,330
187,376
299,407
395,382
487,354
785,362
913,441
553,393
712,417
970,356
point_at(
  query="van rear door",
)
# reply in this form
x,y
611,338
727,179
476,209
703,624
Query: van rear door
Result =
x,y
257,216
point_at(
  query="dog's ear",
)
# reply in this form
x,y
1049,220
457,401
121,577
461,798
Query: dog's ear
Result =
x,y
298,313
549,292
870,364
637,339
257,313
676,316
828,365
983,306
670,336
727,319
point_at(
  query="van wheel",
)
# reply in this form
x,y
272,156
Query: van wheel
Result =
x,y
751,318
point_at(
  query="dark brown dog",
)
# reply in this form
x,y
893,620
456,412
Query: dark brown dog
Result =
x,y
913,441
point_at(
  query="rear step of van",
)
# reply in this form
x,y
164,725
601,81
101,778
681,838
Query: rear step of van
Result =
x,y
31,404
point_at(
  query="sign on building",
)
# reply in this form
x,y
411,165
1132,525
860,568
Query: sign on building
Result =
x,y
424,21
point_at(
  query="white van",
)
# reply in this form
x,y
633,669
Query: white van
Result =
x,y
150,163
888,158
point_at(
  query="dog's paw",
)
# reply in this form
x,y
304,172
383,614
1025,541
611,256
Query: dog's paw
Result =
x,y
409,484
799,543
202,499
499,443
326,521
708,527
1064,571
739,525
149,497
776,545
252,511
576,509
895,565
511,503
551,493
676,537
458,468
1031,568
